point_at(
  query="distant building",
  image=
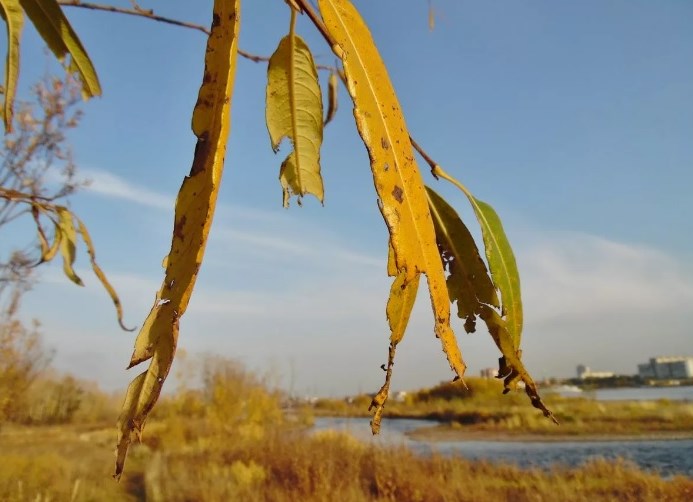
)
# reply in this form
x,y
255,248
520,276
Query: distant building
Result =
x,y
581,370
585,372
665,368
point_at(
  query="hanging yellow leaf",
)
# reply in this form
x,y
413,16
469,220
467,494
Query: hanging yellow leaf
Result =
x,y
68,243
294,111
195,205
48,251
99,273
468,282
396,176
332,105
399,307
51,23
11,12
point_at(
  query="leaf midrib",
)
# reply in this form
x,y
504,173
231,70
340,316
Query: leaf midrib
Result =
x,y
389,136
292,97
511,293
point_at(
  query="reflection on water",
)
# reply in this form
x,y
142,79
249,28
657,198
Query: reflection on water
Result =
x,y
666,457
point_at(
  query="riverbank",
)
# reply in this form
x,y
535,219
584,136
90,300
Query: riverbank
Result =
x,y
447,433
483,409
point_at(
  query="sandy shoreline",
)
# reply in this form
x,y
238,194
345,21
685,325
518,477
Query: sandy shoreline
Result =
x,y
439,433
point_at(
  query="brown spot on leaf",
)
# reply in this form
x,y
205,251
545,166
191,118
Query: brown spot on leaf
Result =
x,y
385,144
178,228
398,194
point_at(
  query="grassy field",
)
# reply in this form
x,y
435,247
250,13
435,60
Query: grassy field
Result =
x,y
282,464
231,441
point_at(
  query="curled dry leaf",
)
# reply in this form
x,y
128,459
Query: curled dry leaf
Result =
x,y
195,205
332,104
399,307
99,273
68,243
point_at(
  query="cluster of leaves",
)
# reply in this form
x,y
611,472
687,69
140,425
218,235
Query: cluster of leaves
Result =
x,y
51,23
34,142
426,235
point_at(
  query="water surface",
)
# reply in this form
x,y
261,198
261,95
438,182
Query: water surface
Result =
x,y
667,457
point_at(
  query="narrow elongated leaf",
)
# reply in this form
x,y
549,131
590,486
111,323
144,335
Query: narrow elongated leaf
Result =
x,y
195,205
332,104
511,359
48,251
68,243
99,273
11,12
396,176
294,111
501,262
55,29
399,307
468,282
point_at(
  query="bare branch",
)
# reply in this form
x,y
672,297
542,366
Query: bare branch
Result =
x,y
135,11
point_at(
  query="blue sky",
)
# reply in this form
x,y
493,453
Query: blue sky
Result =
x,y
573,119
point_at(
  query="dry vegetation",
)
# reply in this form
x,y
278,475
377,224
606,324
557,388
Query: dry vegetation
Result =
x,y
483,408
230,440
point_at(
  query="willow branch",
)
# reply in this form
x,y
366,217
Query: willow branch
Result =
x,y
305,6
135,11
435,168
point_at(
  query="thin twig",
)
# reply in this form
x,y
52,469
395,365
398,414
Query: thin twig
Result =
x,y
137,11
305,6
308,9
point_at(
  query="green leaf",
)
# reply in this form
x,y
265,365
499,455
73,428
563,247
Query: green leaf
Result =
x,y
51,23
11,12
468,282
195,206
68,243
501,260
294,111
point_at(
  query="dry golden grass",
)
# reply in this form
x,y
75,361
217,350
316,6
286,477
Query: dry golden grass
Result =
x,y
230,441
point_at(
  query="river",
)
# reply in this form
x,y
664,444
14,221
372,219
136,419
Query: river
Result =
x,y
684,393
664,456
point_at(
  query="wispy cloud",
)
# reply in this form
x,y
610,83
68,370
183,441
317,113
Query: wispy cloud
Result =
x,y
577,275
110,185
276,287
